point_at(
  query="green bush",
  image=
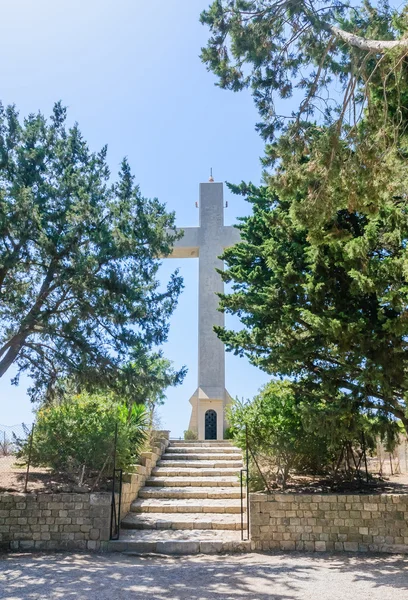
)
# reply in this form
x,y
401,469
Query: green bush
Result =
x,y
276,434
287,435
77,435
190,435
229,433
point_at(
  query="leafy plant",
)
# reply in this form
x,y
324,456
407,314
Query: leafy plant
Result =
x,y
77,436
190,435
276,434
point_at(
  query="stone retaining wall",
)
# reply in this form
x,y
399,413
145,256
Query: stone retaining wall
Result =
x,y
70,521
356,523
54,521
133,482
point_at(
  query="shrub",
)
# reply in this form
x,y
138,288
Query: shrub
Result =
x,y
229,433
287,435
276,433
190,435
77,435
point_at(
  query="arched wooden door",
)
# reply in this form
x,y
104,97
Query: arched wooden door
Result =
x,y
210,425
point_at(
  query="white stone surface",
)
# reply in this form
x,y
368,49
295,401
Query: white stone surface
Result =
x,y
208,242
188,503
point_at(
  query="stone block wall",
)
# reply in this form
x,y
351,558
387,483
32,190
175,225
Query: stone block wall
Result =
x,y
70,521
133,482
54,521
354,523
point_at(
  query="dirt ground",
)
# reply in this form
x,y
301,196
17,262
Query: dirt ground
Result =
x,y
387,484
13,474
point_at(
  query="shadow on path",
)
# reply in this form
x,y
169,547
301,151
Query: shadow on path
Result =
x,y
250,576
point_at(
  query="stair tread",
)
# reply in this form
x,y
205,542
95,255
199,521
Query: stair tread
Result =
x,y
200,488
201,442
190,492
169,542
185,472
172,505
200,463
201,456
142,535
216,481
190,521
202,450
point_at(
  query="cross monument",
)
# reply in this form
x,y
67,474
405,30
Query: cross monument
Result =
x,y
207,242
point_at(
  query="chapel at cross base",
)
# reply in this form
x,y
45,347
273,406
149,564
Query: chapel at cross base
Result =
x,y
207,242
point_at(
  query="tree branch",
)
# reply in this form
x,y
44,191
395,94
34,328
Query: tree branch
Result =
x,y
356,41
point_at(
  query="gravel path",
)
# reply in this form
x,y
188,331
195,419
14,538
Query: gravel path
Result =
x,y
249,577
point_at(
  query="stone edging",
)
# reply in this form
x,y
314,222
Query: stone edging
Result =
x,y
356,523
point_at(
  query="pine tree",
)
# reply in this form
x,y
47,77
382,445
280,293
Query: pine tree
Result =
x,y
79,295
330,316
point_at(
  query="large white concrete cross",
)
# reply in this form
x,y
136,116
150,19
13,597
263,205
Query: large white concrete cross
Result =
x,y
207,242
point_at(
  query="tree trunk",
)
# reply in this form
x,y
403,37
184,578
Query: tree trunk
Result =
x,y
10,357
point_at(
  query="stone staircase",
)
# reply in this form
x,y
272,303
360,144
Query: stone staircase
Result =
x,y
190,504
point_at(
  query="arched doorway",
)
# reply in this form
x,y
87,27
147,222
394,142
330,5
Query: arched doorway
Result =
x,y
210,425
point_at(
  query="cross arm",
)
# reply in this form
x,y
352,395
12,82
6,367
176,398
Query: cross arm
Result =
x,y
187,246
231,236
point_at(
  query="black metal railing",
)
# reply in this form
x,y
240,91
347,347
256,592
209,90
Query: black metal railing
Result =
x,y
117,477
242,471
115,508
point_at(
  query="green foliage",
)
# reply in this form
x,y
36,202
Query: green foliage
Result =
x,y
330,315
320,279
79,434
276,433
146,378
284,49
343,143
79,295
190,435
229,433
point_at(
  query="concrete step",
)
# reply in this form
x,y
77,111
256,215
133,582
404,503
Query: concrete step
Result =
x,y
199,464
204,456
190,492
186,482
172,472
203,450
160,505
201,443
190,521
179,542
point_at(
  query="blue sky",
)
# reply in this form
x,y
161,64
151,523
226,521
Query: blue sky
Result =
x,y
130,74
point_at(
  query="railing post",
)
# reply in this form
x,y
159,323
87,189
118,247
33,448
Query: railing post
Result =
x,y
247,480
114,529
242,471
242,504
120,499
30,449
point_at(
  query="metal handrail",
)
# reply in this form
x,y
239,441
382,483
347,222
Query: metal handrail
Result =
x,y
246,470
115,513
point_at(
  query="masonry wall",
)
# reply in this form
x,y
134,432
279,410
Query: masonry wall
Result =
x,y
133,482
355,523
70,521
54,521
